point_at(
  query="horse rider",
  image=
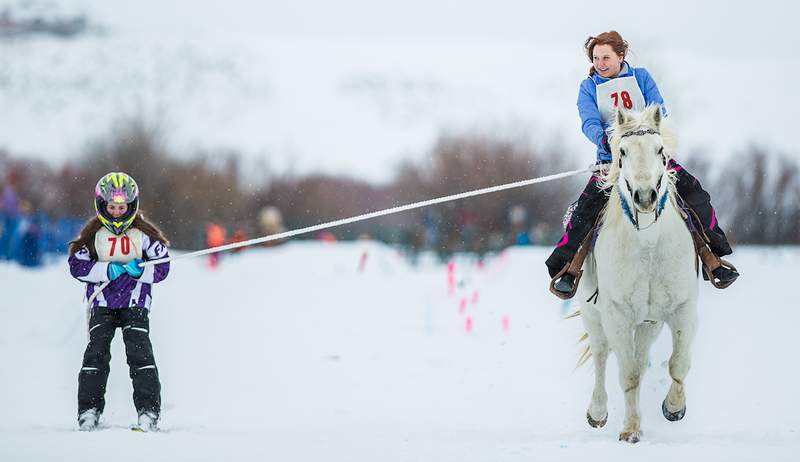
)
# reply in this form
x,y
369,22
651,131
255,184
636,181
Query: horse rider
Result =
x,y
612,82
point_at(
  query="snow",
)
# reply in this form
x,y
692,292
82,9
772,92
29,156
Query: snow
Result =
x,y
354,88
292,353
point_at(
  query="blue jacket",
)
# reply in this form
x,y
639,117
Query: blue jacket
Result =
x,y
592,124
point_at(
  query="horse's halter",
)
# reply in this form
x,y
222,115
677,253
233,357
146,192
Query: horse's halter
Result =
x,y
631,212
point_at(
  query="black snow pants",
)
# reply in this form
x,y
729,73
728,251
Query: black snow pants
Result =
x,y
143,372
593,199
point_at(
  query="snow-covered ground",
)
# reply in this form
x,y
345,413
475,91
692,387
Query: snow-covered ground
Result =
x,y
356,86
292,353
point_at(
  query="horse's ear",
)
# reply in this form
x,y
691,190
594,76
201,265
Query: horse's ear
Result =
x,y
656,115
622,117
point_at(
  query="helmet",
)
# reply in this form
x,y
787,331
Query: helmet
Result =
x,y
116,188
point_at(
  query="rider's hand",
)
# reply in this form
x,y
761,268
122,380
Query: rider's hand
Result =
x,y
133,269
115,270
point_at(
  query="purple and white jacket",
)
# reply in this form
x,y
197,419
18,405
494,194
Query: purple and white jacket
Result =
x,y
125,291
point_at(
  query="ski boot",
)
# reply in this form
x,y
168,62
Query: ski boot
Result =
x,y
88,420
148,422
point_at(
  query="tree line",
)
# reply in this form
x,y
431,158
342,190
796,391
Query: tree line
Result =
x,y
756,197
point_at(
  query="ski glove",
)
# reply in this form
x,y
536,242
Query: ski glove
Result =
x,y
133,269
115,270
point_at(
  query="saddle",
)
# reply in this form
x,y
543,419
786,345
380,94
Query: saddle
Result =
x,y
703,255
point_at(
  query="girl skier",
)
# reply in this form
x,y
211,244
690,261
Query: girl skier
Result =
x,y
106,255
613,82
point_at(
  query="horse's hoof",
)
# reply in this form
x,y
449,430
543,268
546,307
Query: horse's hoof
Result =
x,y
672,416
596,423
630,437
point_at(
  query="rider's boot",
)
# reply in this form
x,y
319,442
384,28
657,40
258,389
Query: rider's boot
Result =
x,y
722,273
564,264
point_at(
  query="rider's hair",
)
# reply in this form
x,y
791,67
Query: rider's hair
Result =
x,y
612,38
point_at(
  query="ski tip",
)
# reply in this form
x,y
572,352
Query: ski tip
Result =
x,y
142,430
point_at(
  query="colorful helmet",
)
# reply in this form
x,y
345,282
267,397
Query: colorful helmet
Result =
x,y
116,188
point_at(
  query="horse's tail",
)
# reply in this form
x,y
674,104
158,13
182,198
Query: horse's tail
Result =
x,y
573,315
586,353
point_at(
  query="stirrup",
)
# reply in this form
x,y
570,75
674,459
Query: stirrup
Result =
x,y
563,295
575,266
708,260
710,273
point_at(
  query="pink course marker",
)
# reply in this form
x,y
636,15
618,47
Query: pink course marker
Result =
x,y
362,261
468,325
475,296
505,323
451,278
462,305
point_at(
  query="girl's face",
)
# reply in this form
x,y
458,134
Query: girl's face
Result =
x,y
605,61
116,210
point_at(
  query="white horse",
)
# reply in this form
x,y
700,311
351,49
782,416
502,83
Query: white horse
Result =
x,y
641,272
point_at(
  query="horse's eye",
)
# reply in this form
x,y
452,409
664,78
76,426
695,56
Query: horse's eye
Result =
x,y
661,150
622,152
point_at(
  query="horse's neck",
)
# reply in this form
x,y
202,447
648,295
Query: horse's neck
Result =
x,y
617,223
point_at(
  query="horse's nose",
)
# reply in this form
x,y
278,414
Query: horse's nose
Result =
x,y
644,198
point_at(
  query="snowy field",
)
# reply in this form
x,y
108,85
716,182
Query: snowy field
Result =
x,y
293,353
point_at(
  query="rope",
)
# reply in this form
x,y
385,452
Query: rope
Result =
x,y
331,224
367,216
89,307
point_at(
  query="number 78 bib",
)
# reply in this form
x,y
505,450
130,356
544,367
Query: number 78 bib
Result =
x,y
123,248
620,92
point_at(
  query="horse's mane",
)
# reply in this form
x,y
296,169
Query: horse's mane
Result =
x,y
636,121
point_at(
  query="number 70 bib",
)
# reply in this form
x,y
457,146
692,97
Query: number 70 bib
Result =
x,y
620,92
122,248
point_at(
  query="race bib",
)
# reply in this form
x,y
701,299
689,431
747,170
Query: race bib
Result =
x,y
620,92
122,248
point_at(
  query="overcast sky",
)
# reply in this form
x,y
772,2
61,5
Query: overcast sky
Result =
x,y
719,27
715,62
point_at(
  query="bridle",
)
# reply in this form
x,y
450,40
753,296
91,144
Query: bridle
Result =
x,y
631,212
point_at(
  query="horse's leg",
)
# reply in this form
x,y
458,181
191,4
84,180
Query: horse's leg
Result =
x,y
646,335
597,414
683,325
619,331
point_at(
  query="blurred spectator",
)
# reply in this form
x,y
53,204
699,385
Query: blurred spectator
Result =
x,y
215,237
270,221
517,216
412,241
540,234
9,220
31,231
327,236
430,220
497,240
468,222
240,235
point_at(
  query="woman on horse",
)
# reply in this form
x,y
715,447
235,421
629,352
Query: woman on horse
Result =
x,y
613,82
